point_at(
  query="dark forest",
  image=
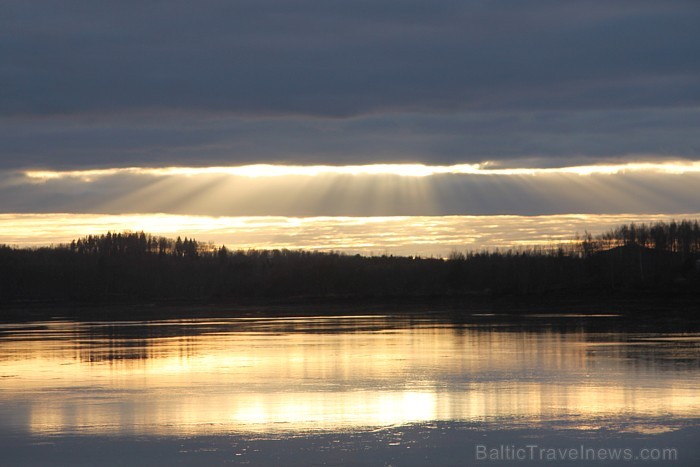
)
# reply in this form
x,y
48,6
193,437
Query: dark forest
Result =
x,y
139,268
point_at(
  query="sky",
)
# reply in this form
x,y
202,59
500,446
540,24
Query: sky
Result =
x,y
349,109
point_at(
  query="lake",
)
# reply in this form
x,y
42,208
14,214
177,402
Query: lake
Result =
x,y
398,389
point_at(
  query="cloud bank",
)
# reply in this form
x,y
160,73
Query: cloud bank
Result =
x,y
118,84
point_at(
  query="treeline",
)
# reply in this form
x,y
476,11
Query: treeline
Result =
x,y
677,237
118,267
136,244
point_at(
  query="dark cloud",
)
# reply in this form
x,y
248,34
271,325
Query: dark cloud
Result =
x,y
91,83
551,138
347,58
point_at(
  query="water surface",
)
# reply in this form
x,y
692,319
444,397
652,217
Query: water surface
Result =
x,y
296,375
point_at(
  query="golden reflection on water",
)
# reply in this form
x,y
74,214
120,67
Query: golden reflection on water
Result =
x,y
266,375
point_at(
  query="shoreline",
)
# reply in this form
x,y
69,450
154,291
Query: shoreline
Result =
x,y
637,304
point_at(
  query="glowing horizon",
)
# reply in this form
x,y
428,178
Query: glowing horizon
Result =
x,y
406,209
399,235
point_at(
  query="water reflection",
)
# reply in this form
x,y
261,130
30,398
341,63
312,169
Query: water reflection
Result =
x,y
299,374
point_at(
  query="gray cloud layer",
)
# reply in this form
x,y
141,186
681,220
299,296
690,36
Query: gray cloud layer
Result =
x,y
89,83
555,138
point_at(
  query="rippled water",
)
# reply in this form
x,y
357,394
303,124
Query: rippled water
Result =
x,y
296,375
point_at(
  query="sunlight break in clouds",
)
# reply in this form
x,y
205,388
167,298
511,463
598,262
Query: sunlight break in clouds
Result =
x,y
358,190
403,170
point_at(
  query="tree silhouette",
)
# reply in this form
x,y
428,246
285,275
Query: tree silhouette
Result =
x,y
136,266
